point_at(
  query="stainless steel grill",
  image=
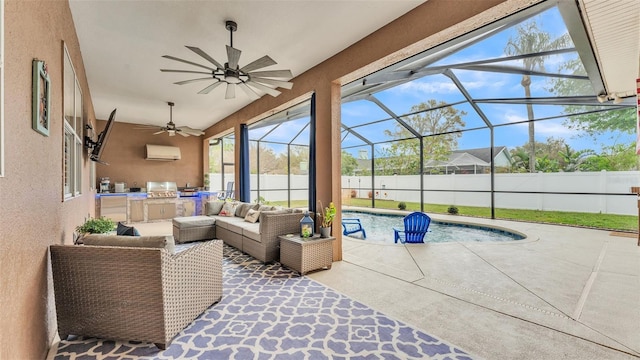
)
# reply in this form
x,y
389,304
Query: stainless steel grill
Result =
x,y
162,189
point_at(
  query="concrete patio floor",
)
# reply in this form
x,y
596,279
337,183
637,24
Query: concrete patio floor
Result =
x,y
562,293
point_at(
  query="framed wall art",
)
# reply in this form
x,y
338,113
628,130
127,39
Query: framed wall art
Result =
x,y
41,98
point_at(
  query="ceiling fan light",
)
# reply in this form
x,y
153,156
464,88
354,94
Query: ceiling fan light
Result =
x,y
232,74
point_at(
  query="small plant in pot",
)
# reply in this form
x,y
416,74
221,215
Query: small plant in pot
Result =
x,y
453,210
94,226
327,215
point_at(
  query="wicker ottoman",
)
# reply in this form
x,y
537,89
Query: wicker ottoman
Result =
x,y
193,228
306,255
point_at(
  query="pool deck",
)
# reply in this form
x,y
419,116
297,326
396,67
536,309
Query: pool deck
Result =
x,y
561,293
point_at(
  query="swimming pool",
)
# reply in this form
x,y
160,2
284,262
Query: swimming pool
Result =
x,y
379,227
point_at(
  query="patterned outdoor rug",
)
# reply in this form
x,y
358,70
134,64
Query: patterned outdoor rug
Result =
x,y
269,312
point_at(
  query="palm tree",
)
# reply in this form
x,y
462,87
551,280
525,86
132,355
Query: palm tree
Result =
x,y
520,160
531,40
572,160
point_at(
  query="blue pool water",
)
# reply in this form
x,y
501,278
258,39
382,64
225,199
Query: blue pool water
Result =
x,y
379,227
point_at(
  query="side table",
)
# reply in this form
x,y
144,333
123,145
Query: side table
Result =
x,y
305,255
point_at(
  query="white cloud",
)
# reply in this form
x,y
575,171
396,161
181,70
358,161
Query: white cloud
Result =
x,y
549,128
432,87
512,118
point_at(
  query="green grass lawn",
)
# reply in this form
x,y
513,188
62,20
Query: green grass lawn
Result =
x,y
591,220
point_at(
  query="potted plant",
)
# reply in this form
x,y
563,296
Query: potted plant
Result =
x,y
94,226
327,215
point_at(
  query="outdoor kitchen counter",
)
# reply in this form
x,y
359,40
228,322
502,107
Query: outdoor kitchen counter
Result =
x,y
138,207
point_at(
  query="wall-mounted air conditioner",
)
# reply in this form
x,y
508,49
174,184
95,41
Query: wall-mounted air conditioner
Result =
x,y
163,153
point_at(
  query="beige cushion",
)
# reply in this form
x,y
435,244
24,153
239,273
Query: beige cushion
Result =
x,y
252,231
243,209
187,222
276,212
213,207
236,226
246,209
227,222
252,216
265,208
160,241
228,209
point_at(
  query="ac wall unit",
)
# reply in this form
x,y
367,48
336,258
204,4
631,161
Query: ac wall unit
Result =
x,y
162,153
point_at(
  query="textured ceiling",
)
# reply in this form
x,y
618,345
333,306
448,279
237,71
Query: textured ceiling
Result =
x,y
122,43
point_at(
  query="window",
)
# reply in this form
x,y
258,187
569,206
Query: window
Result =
x,y
73,127
221,163
279,157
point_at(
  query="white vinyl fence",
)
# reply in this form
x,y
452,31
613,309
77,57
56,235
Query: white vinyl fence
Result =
x,y
594,192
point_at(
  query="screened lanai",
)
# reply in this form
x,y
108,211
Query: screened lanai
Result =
x,y
514,115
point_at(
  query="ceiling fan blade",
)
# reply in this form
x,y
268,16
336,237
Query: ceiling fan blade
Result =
x,y
266,89
185,71
231,91
205,56
276,83
273,73
159,132
249,91
259,64
192,81
210,87
233,55
182,133
190,131
187,62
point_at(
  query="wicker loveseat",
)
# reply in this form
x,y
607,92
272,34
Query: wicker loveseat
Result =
x,y
144,294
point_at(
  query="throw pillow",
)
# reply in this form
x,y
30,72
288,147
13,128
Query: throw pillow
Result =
x,y
241,209
166,242
214,207
126,230
265,208
246,208
252,216
228,209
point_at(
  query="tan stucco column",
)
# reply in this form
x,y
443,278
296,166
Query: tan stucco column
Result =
x,y
328,150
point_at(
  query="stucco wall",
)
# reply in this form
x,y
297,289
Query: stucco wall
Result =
x,y
125,153
32,208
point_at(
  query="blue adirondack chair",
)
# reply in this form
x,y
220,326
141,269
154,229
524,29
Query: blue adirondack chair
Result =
x,y
352,226
416,226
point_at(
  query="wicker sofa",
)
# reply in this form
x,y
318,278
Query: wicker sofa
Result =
x,y
259,239
139,292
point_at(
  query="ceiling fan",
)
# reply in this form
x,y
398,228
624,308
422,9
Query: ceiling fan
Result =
x,y
172,129
253,83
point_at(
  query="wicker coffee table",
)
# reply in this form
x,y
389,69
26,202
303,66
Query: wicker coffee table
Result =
x,y
305,255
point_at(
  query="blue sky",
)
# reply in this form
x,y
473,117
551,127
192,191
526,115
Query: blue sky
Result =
x,y
482,85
